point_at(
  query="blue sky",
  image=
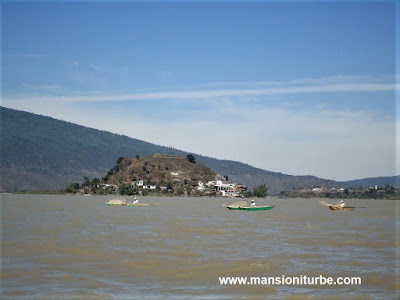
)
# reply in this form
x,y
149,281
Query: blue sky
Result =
x,y
303,88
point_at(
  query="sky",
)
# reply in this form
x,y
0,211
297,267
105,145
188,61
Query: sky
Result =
x,y
298,87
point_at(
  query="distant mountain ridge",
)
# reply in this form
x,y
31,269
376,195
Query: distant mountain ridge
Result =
x,y
42,153
381,182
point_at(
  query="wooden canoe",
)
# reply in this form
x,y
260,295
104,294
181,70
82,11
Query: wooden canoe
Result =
x,y
131,204
334,207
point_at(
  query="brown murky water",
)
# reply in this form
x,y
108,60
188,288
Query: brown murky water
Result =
x,y
69,247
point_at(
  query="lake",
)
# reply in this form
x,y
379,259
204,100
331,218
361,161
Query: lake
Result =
x,y
76,247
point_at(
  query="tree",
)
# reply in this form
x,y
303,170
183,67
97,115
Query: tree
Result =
x,y
121,158
72,188
388,187
86,181
110,172
191,158
188,190
126,189
180,191
170,187
260,191
246,194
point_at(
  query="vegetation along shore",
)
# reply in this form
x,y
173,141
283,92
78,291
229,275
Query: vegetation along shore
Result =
x,y
167,175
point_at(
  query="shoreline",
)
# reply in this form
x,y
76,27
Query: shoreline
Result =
x,y
188,196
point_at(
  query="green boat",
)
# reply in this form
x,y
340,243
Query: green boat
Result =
x,y
250,207
243,205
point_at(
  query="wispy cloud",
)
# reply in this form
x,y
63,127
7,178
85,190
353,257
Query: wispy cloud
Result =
x,y
321,140
198,94
335,79
321,143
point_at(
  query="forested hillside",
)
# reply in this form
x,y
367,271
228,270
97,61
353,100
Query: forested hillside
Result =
x,y
39,153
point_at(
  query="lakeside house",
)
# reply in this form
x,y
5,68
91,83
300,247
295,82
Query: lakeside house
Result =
x,y
149,187
220,186
201,186
137,183
108,185
225,189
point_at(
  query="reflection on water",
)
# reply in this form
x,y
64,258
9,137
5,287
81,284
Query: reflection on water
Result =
x,y
62,247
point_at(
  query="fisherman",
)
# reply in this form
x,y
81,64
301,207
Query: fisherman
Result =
x,y
136,201
342,204
253,203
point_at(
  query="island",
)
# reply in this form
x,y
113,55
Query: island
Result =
x,y
163,175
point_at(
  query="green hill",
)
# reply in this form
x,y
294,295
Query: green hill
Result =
x,y
42,153
160,169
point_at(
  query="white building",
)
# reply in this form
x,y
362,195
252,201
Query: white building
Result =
x,y
107,185
149,187
221,186
230,193
137,183
201,186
